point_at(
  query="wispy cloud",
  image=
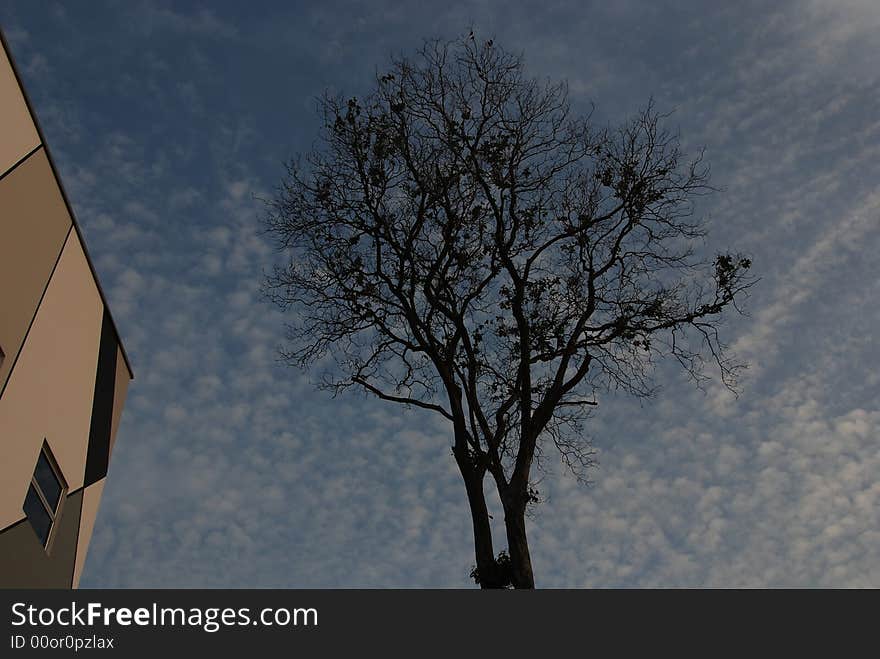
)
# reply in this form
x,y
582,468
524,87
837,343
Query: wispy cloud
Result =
x,y
231,470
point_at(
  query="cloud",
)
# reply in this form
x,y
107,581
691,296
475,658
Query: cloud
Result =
x,y
203,22
232,470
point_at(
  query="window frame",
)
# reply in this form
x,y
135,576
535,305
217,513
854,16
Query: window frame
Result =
x,y
54,515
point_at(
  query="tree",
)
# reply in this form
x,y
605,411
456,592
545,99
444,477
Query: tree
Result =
x,y
459,242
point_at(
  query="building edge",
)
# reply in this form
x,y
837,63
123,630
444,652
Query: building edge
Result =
x,y
76,227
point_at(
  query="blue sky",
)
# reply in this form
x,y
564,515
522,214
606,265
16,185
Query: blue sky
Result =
x,y
165,119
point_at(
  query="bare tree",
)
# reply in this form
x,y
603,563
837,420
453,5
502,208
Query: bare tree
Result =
x,y
460,243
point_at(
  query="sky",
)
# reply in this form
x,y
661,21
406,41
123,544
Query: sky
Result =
x,y
166,120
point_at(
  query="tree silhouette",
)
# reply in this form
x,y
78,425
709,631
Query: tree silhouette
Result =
x,y
459,242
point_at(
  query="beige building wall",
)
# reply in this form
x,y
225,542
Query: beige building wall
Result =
x,y
49,394
24,563
19,135
91,499
34,226
64,374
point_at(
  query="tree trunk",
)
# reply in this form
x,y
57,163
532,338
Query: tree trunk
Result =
x,y
487,568
518,544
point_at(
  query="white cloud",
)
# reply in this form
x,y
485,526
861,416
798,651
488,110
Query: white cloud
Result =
x,y
231,470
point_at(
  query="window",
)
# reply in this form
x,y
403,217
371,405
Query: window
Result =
x,y
45,495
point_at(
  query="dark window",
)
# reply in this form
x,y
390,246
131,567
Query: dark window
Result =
x,y
40,518
44,496
45,477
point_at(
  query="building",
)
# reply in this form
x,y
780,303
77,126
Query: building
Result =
x,y
63,371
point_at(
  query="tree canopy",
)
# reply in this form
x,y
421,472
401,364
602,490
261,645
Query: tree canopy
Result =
x,y
460,241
